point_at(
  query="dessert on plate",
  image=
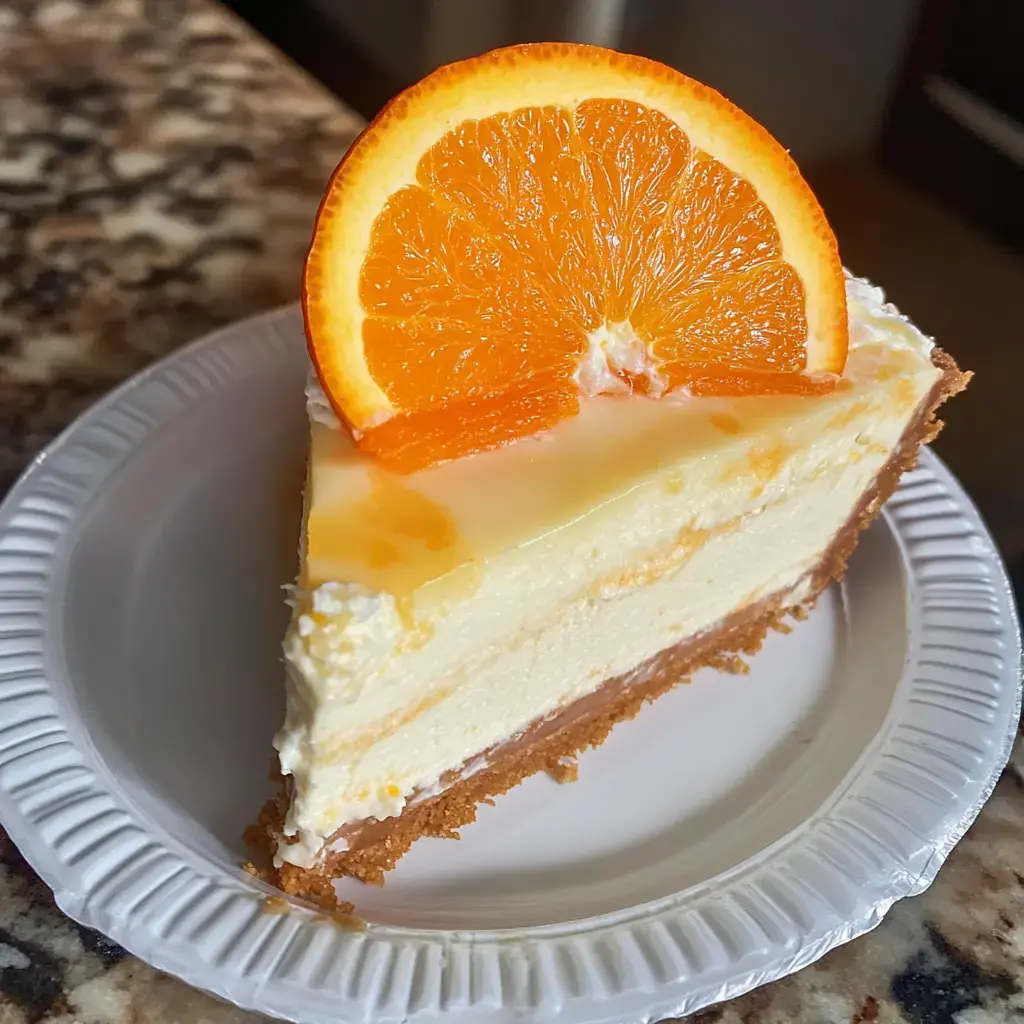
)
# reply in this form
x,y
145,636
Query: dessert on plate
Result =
x,y
593,405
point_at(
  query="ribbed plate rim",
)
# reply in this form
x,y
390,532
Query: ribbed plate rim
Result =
x,y
882,838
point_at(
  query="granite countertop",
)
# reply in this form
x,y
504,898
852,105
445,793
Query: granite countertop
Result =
x,y
159,170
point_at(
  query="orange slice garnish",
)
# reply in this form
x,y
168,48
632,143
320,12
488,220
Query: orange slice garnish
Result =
x,y
551,220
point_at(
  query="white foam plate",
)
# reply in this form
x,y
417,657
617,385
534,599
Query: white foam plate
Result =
x,y
732,833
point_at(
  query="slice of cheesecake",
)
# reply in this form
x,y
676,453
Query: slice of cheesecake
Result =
x,y
462,627
593,406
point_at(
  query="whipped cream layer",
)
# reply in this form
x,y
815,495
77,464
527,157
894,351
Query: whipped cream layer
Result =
x,y
440,614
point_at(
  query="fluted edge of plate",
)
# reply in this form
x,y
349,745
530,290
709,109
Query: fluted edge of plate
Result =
x,y
883,836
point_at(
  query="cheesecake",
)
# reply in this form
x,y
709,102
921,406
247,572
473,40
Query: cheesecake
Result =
x,y
592,405
459,628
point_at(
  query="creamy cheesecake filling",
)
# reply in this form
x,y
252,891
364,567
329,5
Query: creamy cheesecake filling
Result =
x,y
441,614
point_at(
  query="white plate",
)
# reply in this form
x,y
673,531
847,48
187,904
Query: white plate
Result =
x,y
729,835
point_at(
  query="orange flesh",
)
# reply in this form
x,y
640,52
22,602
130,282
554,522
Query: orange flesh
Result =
x,y
528,230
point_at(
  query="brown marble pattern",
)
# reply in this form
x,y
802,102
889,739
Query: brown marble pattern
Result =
x,y
159,170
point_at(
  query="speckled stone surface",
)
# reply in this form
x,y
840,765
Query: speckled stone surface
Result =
x,y
159,170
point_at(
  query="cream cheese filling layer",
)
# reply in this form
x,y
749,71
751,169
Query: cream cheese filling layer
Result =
x,y
390,687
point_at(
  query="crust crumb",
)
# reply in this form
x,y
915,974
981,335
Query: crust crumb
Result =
x,y
564,769
345,917
732,664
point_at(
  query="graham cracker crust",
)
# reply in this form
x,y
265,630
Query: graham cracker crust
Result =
x,y
551,745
